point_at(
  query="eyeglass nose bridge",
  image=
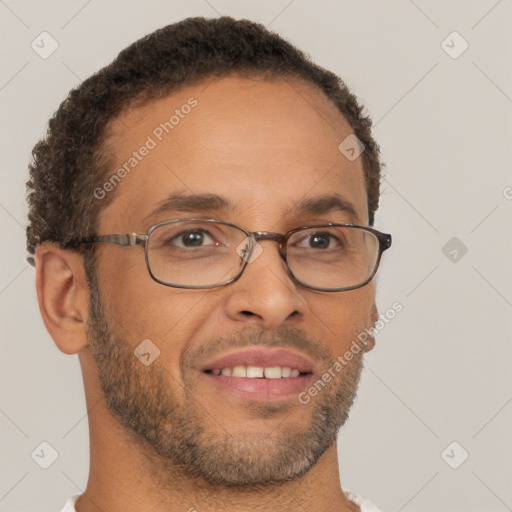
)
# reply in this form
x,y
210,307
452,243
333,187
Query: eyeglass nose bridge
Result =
x,y
257,236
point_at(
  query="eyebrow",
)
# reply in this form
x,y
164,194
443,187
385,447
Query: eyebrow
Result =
x,y
213,204
327,204
185,203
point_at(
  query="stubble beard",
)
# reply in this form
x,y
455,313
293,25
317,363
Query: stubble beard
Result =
x,y
177,438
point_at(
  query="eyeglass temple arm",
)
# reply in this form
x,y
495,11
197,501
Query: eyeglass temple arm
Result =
x,y
127,240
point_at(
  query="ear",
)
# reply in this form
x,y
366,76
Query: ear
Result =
x,y
374,314
370,342
63,295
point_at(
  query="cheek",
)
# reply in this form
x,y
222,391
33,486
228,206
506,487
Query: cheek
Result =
x,y
124,285
138,308
342,316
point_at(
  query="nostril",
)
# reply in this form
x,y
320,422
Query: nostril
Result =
x,y
247,313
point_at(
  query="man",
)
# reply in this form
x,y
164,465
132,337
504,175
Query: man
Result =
x,y
200,220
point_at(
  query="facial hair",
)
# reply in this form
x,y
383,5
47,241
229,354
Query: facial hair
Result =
x,y
164,417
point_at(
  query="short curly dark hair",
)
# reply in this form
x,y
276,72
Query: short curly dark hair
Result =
x,y
69,163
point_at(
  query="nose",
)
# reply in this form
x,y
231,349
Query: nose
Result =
x,y
265,295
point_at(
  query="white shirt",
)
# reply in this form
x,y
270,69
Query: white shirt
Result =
x,y
364,505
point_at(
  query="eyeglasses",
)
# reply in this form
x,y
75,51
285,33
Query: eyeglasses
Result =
x,y
207,253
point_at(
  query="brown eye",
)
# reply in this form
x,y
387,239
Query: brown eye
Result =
x,y
319,240
192,238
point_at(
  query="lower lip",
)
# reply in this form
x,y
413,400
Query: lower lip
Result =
x,y
261,389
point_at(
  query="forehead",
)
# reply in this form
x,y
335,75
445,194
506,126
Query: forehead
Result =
x,y
263,146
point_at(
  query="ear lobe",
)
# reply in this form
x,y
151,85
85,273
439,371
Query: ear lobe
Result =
x,y
63,296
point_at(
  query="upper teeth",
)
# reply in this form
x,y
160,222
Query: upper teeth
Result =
x,y
258,372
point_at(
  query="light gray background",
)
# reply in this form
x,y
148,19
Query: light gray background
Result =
x,y
441,371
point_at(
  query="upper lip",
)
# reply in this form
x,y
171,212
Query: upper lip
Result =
x,y
261,356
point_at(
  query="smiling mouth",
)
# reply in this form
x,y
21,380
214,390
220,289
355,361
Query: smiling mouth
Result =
x,y
257,372
260,383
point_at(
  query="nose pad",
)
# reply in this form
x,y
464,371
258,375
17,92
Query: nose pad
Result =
x,y
258,251
249,249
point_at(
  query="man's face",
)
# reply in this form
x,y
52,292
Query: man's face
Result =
x,y
265,147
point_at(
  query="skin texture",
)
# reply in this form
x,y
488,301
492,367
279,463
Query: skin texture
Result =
x,y
264,146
